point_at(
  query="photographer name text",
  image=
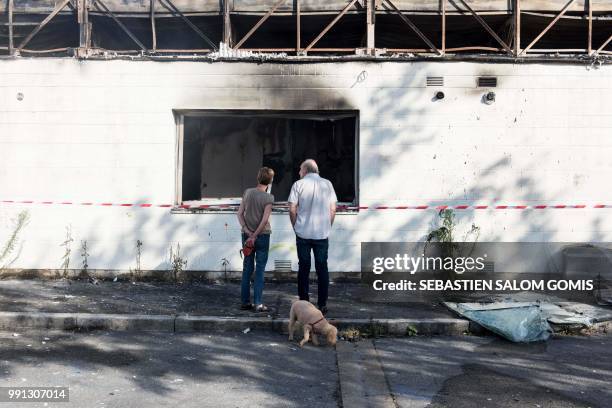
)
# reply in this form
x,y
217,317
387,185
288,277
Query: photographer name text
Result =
x,y
483,285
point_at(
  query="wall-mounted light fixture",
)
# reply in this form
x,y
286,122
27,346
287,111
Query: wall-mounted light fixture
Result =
x,y
20,96
489,98
439,96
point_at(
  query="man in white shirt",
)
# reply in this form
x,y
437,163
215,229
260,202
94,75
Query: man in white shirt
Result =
x,y
312,208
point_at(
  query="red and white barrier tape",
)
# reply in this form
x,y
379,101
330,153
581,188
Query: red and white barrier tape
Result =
x,y
340,207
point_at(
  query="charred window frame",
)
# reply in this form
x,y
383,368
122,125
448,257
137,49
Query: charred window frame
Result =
x,y
218,153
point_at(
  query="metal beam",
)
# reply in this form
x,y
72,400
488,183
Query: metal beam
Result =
x,y
10,23
172,8
487,27
43,23
102,7
590,40
153,28
330,25
370,26
552,23
258,24
227,23
298,29
517,27
413,27
443,27
600,49
215,7
84,25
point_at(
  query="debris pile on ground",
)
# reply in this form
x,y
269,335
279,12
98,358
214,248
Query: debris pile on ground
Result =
x,y
517,316
517,322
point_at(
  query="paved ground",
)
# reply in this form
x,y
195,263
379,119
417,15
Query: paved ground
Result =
x,y
155,370
346,300
119,369
260,368
438,372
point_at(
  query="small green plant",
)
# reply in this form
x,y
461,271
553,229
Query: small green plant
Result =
x,y
411,330
137,271
84,257
67,244
177,262
13,240
225,263
138,255
445,235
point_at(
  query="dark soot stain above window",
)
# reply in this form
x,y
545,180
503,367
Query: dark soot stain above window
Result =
x,y
221,154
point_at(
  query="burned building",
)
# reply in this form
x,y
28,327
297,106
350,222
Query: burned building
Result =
x,y
143,121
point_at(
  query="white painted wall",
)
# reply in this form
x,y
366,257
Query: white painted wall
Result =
x,y
103,131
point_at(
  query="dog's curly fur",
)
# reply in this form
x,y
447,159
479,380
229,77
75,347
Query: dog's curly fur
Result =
x,y
305,313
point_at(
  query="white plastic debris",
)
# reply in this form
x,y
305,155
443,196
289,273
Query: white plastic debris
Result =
x,y
245,331
16,334
520,322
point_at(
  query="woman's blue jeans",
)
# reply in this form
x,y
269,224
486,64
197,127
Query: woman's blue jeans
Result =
x,y
254,262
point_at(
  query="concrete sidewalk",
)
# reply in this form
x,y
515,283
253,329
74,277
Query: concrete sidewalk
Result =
x,y
196,306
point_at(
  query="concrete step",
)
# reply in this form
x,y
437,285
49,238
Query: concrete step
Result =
x,y
189,323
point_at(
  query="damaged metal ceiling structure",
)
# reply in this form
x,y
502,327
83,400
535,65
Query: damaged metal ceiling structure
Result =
x,y
518,29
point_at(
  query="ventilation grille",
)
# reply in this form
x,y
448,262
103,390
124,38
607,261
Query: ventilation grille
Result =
x,y
487,82
282,265
435,81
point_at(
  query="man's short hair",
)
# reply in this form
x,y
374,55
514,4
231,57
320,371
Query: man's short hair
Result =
x,y
265,176
310,166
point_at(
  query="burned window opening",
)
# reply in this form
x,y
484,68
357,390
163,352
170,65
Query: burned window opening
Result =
x,y
171,33
61,32
222,152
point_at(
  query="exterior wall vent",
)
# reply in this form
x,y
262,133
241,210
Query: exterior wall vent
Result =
x,y
282,265
487,82
435,81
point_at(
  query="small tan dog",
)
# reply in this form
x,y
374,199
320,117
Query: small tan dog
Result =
x,y
312,321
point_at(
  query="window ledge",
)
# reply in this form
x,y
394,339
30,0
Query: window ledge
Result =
x,y
233,209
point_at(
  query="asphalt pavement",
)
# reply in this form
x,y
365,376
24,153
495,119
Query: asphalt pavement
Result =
x,y
121,369
468,372
263,369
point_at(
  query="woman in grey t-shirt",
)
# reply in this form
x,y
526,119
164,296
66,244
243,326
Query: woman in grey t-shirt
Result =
x,y
253,216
